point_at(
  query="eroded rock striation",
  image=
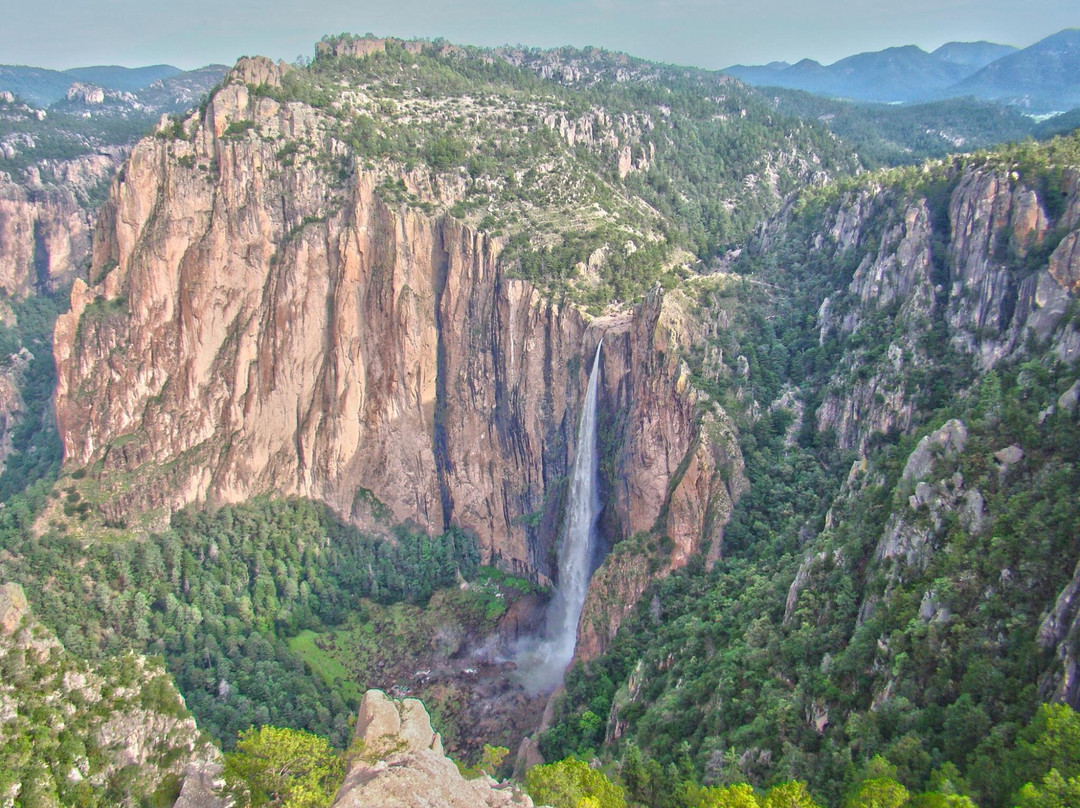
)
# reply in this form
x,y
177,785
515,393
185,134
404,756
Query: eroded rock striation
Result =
x,y
983,269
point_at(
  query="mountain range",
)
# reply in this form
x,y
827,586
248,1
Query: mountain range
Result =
x,y
1039,79
43,87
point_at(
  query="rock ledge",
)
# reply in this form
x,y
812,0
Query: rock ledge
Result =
x,y
397,761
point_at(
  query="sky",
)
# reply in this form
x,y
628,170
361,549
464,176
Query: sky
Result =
x,y
703,33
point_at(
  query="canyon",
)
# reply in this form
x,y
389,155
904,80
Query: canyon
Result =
x,y
834,416
250,328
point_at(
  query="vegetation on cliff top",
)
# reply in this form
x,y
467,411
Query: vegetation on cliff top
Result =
x,y
670,167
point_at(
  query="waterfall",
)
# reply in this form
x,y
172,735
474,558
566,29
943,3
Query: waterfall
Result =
x,y
543,663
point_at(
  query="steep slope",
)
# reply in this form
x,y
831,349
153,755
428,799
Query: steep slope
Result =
x,y
899,580
76,734
55,170
45,220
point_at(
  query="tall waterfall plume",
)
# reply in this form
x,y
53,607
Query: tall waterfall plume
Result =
x,y
542,665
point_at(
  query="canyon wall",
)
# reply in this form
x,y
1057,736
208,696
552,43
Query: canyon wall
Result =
x,y
983,271
46,217
257,324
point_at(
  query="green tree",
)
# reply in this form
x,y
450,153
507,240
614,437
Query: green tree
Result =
x,y
880,792
789,795
491,758
569,783
282,767
933,799
740,795
1051,741
1054,792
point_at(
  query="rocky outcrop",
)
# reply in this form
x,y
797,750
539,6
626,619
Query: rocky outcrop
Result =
x,y
397,761
359,47
946,442
1060,633
910,532
45,220
13,608
202,785
893,275
981,268
258,324
995,299
622,135
12,405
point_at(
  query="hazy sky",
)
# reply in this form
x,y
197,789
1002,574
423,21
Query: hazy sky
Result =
x,y
705,33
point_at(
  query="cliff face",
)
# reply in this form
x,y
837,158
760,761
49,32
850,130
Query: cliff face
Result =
x,y
12,405
678,467
256,324
980,272
45,222
1002,288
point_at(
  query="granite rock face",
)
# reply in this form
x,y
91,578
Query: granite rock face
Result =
x,y
398,762
255,325
46,219
988,267
1060,632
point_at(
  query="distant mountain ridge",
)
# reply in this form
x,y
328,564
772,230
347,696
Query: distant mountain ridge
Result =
x,y
975,55
128,79
43,87
1040,78
895,74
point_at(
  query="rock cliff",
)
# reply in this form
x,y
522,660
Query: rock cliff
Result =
x,y
678,469
46,216
397,761
977,261
1060,633
12,405
253,325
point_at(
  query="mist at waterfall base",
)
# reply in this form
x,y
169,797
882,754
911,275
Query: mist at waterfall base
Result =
x,y
542,661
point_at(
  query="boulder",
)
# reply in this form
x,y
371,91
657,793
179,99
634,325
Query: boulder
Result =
x,y
399,763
